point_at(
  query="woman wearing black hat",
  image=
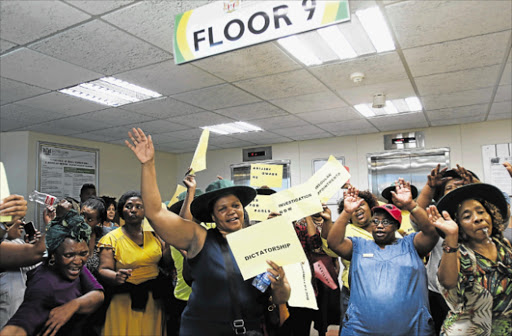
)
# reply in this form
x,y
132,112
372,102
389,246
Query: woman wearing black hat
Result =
x,y
221,303
475,274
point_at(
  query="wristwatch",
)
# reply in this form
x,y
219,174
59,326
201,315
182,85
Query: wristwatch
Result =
x,y
448,249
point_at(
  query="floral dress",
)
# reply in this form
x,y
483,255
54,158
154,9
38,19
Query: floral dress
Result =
x,y
481,303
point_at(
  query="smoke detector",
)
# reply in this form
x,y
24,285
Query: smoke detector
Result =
x,y
357,77
379,100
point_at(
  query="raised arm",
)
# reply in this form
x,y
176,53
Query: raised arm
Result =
x,y
449,267
427,238
173,229
434,180
336,237
190,183
14,255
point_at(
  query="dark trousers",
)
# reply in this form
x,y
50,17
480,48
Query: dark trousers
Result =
x,y
438,309
299,322
175,309
344,297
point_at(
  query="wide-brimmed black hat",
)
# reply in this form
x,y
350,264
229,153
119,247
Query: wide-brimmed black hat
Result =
x,y
176,207
386,193
200,206
478,191
265,191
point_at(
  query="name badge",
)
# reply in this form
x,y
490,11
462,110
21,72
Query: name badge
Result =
x,y
367,255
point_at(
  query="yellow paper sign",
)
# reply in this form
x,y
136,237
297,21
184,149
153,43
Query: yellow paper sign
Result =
x,y
274,239
297,202
299,278
259,208
199,160
266,175
329,179
179,190
4,190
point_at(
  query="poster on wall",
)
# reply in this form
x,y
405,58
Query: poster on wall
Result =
x,y
493,157
63,169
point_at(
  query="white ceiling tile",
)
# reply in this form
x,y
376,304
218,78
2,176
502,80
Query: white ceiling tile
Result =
x,y
255,61
94,137
296,131
457,55
400,121
168,78
162,108
419,23
365,93
12,91
93,51
499,116
49,128
506,78
502,108
189,134
61,103
28,114
464,80
187,144
238,144
116,116
349,127
219,140
461,98
310,102
9,125
320,135
252,111
31,67
332,115
164,138
152,21
279,122
458,112
95,7
503,93
255,136
201,119
113,133
45,17
465,120
6,45
379,68
217,97
78,124
160,126
282,85
270,141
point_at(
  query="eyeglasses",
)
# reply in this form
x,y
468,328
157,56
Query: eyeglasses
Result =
x,y
384,222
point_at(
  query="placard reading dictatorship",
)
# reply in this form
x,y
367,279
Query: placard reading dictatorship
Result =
x,y
329,179
274,239
259,208
199,159
266,175
297,202
4,190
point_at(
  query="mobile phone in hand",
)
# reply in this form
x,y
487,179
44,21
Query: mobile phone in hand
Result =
x,y
30,230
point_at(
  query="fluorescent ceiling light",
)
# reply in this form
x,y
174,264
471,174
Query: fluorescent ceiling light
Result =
x,y
110,91
365,110
413,103
295,47
376,28
401,105
390,108
337,42
231,128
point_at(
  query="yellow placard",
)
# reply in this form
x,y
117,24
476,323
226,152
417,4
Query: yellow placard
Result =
x,y
174,198
297,202
199,159
299,278
266,175
329,179
259,208
4,190
274,239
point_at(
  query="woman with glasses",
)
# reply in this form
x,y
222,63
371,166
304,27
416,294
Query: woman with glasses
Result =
x,y
388,283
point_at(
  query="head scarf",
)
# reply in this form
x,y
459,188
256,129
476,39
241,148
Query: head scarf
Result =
x,y
70,225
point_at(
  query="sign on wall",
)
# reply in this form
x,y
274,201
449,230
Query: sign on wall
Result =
x,y
232,24
493,157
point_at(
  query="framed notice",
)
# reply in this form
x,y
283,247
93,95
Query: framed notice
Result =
x,y
63,169
493,157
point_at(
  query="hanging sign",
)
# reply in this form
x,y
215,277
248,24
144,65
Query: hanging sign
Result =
x,y
266,175
232,24
329,179
4,190
297,202
259,208
199,159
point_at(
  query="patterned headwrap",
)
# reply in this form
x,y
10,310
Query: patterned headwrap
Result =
x,y
70,225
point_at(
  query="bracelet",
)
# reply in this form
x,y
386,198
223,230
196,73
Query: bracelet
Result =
x,y
448,249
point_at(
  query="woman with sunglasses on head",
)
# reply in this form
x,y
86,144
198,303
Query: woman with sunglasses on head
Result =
x,y
388,283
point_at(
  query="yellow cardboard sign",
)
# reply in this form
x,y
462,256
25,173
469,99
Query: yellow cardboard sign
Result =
x,y
329,179
174,198
4,190
266,175
297,202
274,239
199,159
299,278
259,208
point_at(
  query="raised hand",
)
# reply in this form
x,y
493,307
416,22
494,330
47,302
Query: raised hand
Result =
x,y
351,201
326,212
444,223
466,176
142,146
190,180
402,196
13,205
508,167
435,179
